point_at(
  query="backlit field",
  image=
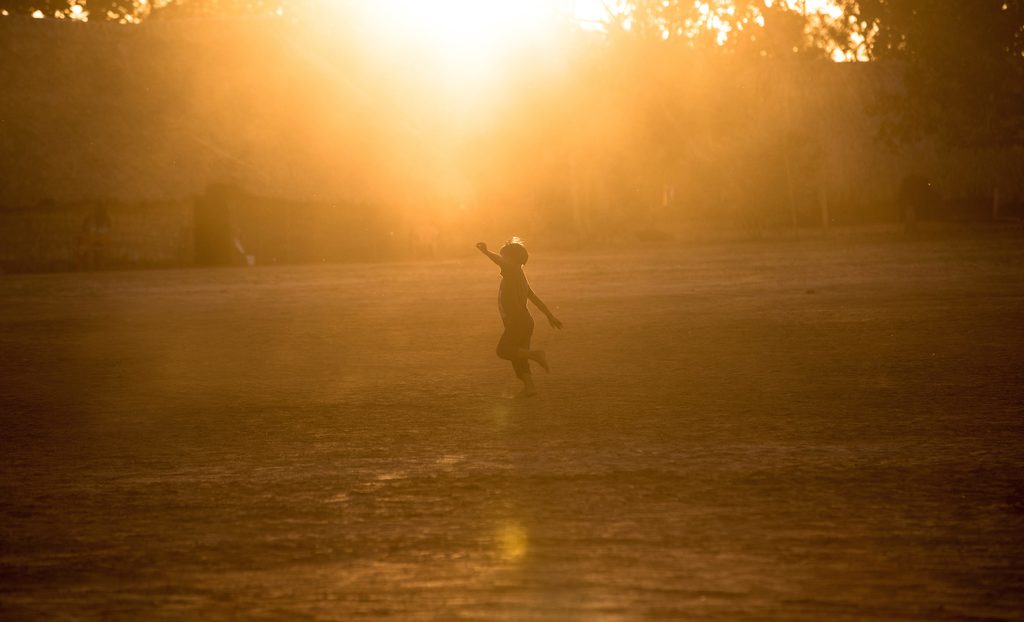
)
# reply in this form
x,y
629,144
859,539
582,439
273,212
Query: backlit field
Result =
x,y
808,430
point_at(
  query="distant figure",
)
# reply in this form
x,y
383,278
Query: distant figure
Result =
x,y
92,238
917,198
513,292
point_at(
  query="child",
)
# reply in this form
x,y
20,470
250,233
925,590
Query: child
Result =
x,y
513,292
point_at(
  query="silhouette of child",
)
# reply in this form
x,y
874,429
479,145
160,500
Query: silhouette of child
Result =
x,y
513,292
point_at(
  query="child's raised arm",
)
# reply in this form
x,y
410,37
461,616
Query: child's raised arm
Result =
x,y
495,257
554,321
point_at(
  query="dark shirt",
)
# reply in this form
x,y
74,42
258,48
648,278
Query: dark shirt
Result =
x,y
512,294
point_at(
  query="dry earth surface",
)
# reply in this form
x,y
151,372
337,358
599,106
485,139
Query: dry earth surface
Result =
x,y
804,430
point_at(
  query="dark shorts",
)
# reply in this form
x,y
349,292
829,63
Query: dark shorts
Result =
x,y
516,337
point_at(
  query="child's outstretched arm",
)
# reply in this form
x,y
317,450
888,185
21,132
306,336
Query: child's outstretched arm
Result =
x,y
495,257
554,321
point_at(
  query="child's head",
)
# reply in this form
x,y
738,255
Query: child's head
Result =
x,y
515,251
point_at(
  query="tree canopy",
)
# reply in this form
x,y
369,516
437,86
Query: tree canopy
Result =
x,y
135,11
964,66
961,63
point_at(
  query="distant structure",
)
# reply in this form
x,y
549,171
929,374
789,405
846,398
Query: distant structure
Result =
x,y
93,238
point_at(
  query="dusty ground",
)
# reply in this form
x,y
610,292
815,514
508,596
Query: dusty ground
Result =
x,y
816,430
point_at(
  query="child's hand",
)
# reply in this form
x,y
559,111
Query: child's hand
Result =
x,y
482,246
555,322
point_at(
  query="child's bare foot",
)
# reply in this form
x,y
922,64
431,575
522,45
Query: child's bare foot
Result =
x,y
529,390
541,357
526,392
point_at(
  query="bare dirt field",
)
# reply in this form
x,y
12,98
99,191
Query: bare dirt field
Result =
x,y
804,430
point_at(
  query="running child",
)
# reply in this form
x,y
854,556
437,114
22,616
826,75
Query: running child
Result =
x,y
513,292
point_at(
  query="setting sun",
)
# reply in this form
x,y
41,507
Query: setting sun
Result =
x,y
463,35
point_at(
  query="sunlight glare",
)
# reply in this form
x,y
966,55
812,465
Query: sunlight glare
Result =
x,y
827,8
512,542
465,36
590,14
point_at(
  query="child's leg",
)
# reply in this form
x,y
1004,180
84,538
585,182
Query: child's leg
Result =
x,y
522,361
521,365
509,347
541,357
538,356
529,390
514,346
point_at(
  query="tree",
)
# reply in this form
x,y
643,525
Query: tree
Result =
x,y
135,11
752,28
126,11
962,67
